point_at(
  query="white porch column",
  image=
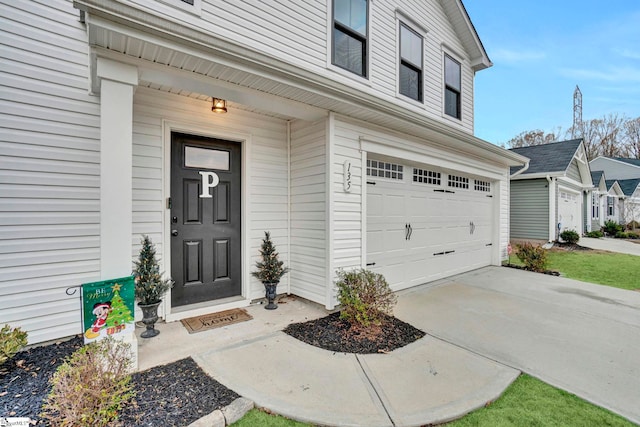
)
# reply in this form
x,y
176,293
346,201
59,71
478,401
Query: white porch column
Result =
x,y
117,84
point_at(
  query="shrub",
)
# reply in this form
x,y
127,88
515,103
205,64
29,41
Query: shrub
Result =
x,y
633,225
11,341
622,235
612,227
634,236
595,233
570,236
365,296
533,257
90,386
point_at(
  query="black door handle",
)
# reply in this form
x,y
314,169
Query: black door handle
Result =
x,y
174,232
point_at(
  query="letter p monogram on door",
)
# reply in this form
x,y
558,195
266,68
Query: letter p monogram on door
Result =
x,y
209,181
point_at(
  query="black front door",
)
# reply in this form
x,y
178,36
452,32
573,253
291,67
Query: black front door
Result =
x,y
205,219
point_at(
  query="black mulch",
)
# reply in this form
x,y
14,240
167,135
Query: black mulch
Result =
x,y
170,395
522,267
333,334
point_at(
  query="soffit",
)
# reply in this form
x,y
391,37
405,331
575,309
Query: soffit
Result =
x,y
141,44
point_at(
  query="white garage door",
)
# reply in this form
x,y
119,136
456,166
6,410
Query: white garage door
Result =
x,y
424,224
569,210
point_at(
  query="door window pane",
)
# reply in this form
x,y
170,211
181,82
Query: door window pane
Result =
x,y
204,158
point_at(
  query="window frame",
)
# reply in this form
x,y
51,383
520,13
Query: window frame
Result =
x,y
447,87
366,40
611,209
595,206
407,63
194,8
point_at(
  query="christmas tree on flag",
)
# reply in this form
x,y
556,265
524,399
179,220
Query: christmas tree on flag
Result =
x,y
120,313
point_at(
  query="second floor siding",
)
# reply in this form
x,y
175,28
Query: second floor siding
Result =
x,y
300,33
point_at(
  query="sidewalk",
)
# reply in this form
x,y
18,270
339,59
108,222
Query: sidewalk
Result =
x,y
429,381
612,245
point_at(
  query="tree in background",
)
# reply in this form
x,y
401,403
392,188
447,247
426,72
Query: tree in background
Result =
x,y
611,136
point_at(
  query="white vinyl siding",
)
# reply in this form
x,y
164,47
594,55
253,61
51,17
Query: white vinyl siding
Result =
x,y
49,179
308,210
279,28
267,198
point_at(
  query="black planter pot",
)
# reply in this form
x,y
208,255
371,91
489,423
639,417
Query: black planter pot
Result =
x,y
270,294
149,318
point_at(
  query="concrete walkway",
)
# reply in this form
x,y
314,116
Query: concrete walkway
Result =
x,y
579,337
611,245
483,328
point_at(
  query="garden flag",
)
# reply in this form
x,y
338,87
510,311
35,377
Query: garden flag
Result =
x,y
107,308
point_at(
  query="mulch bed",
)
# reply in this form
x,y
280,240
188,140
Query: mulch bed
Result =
x,y
522,267
337,335
175,394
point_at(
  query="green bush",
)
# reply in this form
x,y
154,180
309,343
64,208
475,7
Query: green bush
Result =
x,y
612,227
595,233
631,235
570,236
365,296
90,386
11,341
621,235
533,257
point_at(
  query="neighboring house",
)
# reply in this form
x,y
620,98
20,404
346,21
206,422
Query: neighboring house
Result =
x,y
627,173
613,202
617,167
348,135
551,195
631,203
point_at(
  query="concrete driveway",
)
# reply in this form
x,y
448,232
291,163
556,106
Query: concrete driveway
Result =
x,y
580,337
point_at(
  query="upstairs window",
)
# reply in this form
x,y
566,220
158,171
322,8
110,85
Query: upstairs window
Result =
x,y
188,2
350,34
410,74
452,87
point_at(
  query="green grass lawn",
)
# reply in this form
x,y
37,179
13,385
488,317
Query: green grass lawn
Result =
x,y
603,268
527,402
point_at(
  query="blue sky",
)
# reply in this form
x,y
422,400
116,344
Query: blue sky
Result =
x,y
542,49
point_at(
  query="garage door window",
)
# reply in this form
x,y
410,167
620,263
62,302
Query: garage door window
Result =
x,y
482,186
384,170
458,181
424,176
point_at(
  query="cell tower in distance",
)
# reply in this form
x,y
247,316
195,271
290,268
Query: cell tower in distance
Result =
x,y
577,112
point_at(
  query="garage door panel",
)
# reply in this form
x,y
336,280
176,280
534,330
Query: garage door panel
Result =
x,y
449,231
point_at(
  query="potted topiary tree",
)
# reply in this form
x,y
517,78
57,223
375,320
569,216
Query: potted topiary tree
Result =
x,y
269,270
150,286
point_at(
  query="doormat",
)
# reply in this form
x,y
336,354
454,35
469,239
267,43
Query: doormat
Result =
x,y
215,320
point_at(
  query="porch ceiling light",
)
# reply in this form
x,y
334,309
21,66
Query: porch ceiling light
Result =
x,y
219,105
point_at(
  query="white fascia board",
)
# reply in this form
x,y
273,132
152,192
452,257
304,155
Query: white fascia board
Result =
x,y
538,175
123,19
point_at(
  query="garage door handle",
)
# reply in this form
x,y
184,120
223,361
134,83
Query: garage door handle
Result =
x,y
410,231
369,264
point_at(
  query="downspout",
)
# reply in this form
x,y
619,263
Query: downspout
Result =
x,y
289,202
552,208
519,171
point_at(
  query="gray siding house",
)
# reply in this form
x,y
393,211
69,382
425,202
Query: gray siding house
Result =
x,y
551,195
